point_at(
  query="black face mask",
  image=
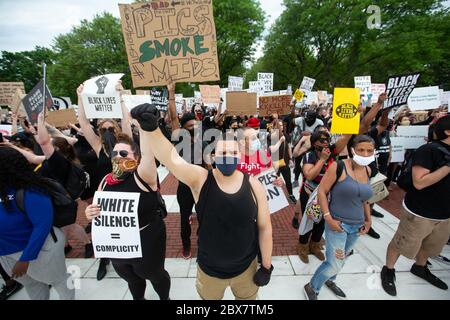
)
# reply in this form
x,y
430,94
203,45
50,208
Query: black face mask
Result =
x,y
109,141
310,121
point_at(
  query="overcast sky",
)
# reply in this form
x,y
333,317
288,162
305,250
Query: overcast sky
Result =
x,y
25,24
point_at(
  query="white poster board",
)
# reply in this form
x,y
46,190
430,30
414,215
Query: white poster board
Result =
x,y
100,97
235,83
133,101
266,81
414,136
5,130
115,233
377,89
398,149
307,84
427,98
275,195
364,83
445,97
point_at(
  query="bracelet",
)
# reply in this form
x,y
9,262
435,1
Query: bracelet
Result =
x,y
326,214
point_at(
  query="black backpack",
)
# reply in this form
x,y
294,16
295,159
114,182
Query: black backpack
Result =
x,y
405,179
78,181
64,207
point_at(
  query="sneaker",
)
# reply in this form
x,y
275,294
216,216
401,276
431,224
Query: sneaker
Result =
x,y
388,281
310,294
425,274
373,234
295,184
101,272
186,253
335,289
441,259
295,223
377,214
292,198
8,291
67,249
88,251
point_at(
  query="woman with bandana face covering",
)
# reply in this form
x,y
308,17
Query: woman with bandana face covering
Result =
x,y
135,173
232,210
103,145
347,215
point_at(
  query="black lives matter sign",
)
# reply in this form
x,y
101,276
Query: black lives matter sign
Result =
x,y
399,88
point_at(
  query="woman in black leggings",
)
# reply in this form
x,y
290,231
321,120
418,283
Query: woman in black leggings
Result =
x,y
133,173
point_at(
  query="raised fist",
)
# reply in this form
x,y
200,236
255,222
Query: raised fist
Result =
x,y
147,115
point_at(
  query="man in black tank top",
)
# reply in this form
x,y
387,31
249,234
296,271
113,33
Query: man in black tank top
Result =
x,y
233,215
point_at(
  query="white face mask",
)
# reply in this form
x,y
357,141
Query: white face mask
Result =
x,y
362,161
66,132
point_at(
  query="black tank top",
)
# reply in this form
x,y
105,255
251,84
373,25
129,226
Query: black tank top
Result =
x,y
227,234
148,203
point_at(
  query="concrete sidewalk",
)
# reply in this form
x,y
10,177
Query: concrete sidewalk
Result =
x,y
359,279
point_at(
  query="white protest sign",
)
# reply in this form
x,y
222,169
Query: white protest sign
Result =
x,y
427,98
377,89
133,101
364,83
307,84
266,81
100,97
60,103
275,195
398,149
115,233
223,95
198,97
179,101
235,83
312,97
5,130
445,97
414,136
255,86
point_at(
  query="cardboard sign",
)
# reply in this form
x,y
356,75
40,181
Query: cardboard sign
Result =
x,y
100,97
399,88
235,83
142,92
346,118
307,84
364,84
241,103
210,94
5,130
274,104
61,118
8,90
170,40
115,233
275,195
398,149
414,136
17,104
160,99
61,103
33,101
377,89
298,95
266,81
427,98
133,101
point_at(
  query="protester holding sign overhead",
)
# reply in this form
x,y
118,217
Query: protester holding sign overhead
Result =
x,y
135,172
103,144
233,215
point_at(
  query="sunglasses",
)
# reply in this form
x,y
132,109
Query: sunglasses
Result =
x,y
110,129
121,153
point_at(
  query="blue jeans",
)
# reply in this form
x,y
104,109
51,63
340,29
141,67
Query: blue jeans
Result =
x,y
343,241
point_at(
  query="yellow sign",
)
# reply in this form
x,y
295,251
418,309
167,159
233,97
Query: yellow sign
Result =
x,y
298,95
346,118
